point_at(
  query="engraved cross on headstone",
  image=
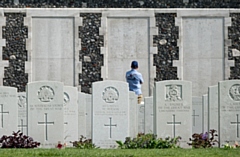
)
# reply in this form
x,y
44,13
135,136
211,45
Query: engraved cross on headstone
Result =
x,y
174,123
110,118
3,112
237,123
22,125
194,119
46,123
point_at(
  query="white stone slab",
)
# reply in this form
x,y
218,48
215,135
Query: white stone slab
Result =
x,y
213,108
205,113
110,113
8,110
128,40
141,120
203,52
70,104
52,49
197,114
81,114
173,110
229,111
45,112
88,115
148,102
133,115
22,112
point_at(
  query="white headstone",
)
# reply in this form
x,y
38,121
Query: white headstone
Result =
x,y
8,110
70,103
229,111
81,114
148,102
45,112
173,110
141,121
22,113
88,99
213,108
133,115
205,113
197,114
110,113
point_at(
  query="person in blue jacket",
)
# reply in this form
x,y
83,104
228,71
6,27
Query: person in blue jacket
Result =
x,y
135,79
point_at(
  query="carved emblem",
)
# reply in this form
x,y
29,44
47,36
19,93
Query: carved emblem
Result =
x,y
234,92
45,94
110,95
66,98
21,101
173,92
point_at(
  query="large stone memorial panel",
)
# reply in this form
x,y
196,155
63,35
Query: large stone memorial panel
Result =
x,y
110,113
45,112
128,40
205,113
8,110
229,111
141,116
203,52
53,49
173,110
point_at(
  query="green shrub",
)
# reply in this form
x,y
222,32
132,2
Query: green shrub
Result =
x,y
148,141
203,140
84,143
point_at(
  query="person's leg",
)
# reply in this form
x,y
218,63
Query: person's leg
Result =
x,y
140,99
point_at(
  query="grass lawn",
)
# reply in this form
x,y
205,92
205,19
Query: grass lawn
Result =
x,y
215,152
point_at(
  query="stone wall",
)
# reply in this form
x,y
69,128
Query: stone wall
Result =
x,y
120,4
15,33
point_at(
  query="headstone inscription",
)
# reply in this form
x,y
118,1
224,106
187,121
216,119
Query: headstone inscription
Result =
x,y
229,111
81,114
133,115
173,110
22,112
70,103
213,108
141,121
45,112
110,113
8,110
148,102
197,114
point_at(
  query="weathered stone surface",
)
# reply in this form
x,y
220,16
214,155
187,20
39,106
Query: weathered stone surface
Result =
x,y
15,52
166,42
119,4
90,56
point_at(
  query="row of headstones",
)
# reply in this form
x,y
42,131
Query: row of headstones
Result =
x,y
112,114
51,112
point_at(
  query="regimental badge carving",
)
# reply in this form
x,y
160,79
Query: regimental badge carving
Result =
x,y
45,94
110,95
173,92
66,98
22,101
234,92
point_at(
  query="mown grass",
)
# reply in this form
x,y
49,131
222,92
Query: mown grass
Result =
x,y
215,152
